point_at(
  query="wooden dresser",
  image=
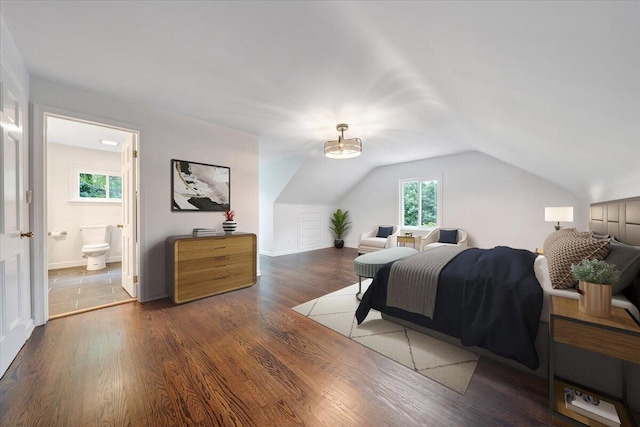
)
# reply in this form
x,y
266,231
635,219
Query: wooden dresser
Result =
x,y
199,267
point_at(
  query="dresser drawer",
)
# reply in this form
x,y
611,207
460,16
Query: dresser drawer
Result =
x,y
198,267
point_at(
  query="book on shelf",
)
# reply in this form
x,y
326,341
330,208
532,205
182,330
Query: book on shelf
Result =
x,y
591,407
200,232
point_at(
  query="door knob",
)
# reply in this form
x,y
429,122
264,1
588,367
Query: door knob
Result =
x,y
120,226
28,234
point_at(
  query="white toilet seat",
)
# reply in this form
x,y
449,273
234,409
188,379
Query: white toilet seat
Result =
x,y
95,247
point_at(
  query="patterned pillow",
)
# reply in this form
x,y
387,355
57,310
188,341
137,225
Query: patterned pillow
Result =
x,y
558,234
571,249
564,232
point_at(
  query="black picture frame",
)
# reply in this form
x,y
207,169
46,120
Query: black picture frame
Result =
x,y
200,187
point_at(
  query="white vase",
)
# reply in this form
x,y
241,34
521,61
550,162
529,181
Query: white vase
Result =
x,y
229,226
595,299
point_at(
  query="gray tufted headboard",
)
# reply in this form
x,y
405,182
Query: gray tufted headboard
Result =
x,y
620,219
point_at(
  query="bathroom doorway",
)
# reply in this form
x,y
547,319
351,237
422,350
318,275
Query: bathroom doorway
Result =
x,y
91,221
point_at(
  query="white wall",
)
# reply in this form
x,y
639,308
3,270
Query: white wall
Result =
x,y
66,215
274,176
165,136
498,204
285,226
631,189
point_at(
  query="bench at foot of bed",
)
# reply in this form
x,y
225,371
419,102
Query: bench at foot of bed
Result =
x,y
367,265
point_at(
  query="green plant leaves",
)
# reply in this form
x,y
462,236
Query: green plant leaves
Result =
x,y
340,223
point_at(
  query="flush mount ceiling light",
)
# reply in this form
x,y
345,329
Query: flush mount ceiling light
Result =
x,y
107,142
343,148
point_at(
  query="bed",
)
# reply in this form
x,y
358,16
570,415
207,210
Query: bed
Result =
x,y
497,299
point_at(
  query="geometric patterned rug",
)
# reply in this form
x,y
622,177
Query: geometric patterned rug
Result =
x,y
445,363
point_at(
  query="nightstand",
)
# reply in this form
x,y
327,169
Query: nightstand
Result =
x,y
407,239
617,336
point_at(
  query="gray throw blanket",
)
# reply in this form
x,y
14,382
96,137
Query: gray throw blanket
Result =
x,y
413,281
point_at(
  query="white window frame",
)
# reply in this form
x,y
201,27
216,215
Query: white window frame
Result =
x,y
74,185
438,180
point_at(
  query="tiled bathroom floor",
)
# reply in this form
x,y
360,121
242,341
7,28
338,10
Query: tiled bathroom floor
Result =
x,y
75,288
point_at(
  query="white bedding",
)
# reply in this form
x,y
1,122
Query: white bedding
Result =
x,y
541,270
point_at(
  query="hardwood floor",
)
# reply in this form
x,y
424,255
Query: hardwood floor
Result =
x,y
244,359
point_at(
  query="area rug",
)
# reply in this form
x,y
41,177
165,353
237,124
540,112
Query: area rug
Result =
x,y
445,363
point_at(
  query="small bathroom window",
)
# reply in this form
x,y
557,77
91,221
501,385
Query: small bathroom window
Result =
x,y
96,186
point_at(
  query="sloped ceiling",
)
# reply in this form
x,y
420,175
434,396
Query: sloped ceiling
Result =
x,y
550,87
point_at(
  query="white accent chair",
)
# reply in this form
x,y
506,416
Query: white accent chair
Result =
x,y
368,241
430,241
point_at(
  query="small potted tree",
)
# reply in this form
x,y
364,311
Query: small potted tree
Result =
x,y
595,278
339,225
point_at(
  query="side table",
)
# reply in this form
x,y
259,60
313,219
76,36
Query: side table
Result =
x,y
407,239
617,336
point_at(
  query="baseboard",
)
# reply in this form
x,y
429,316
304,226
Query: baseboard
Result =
x,y
293,251
78,263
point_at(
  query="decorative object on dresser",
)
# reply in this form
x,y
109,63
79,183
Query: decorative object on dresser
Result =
x,y
229,225
339,225
201,232
200,187
596,279
558,215
204,266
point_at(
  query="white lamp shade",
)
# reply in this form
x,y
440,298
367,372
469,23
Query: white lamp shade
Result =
x,y
559,214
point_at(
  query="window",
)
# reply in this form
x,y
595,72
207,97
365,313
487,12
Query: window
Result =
x,y
96,186
419,203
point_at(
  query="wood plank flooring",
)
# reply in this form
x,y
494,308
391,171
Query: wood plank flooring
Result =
x,y
244,359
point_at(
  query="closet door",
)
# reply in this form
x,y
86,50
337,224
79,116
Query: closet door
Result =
x,y
16,322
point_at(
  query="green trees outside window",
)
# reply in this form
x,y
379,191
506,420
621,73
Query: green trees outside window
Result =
x,y
99,186
419,203
115,187
93,186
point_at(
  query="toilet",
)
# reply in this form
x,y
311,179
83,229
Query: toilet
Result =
x,y
95,244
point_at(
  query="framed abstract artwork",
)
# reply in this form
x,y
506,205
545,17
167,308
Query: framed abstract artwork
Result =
x,y
200,187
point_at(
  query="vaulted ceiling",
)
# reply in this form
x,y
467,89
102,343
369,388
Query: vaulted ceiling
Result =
x,y
550,87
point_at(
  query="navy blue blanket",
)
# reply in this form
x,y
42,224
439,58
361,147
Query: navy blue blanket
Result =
x,y
486,297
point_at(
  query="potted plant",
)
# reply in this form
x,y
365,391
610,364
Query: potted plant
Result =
x,y
595,280
339,225
229,225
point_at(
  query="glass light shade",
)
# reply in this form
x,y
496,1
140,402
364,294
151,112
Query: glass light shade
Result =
x,y
559,214
343,148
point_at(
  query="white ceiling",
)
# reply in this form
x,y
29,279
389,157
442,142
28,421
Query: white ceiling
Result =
x,y
550,87
85,135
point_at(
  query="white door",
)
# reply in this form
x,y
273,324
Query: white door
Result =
x,y
16,322
129,217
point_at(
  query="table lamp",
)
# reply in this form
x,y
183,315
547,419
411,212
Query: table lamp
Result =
x,y
558,214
